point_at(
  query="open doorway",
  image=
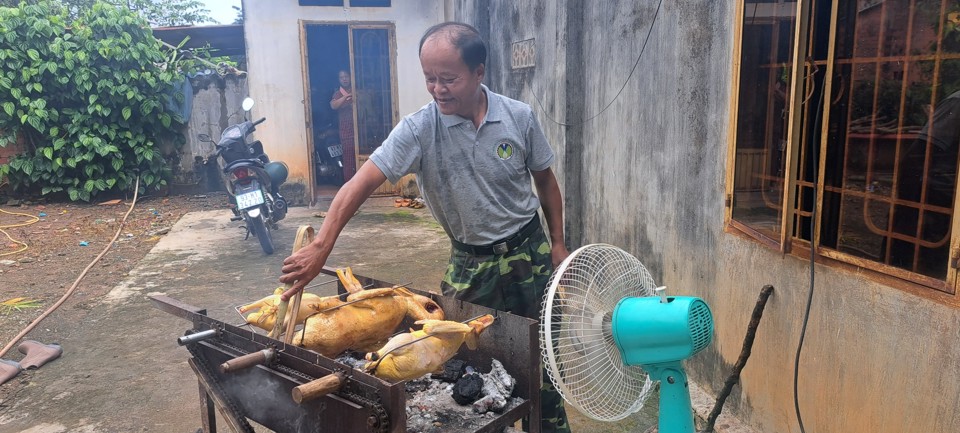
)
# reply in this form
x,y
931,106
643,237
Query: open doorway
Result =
x,y
352,107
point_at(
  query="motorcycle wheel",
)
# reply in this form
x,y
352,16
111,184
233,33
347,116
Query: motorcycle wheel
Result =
x,y
262,232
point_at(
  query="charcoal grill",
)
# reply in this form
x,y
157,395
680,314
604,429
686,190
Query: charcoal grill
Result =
x,y
260,385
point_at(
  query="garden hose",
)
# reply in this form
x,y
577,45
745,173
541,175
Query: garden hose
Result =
x,y
23,245
76,282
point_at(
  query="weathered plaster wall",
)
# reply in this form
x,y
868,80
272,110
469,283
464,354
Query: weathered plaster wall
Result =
x,y
272,30
647,174
216,105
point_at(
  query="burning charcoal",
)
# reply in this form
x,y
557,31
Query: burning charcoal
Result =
x,y
467,389
497,389
348,358
452,371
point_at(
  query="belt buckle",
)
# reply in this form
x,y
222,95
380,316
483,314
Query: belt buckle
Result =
x,y
501,248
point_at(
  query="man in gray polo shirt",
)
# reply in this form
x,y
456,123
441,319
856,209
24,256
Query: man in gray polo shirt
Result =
x,y
474,153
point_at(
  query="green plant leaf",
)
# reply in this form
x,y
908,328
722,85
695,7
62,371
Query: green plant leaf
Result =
x,y
34,121
62,80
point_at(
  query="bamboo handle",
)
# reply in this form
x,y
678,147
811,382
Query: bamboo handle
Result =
x,y
318,388
304,237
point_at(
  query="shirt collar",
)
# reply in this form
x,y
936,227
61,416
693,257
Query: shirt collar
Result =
x,y
493,111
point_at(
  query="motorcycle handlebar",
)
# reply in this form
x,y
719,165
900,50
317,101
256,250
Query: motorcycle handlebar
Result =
x,y
262,119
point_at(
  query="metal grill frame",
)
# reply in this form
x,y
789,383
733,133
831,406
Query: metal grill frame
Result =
x,y
513,340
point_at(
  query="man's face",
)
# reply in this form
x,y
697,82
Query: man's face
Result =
x,y
454,87
344,79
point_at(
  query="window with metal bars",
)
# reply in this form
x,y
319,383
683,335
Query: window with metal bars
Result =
x,y
857,114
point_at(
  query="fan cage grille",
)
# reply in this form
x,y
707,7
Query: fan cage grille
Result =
x,y
581,356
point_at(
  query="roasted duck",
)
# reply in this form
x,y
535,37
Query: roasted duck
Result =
x,y
416,353
363,322
266,309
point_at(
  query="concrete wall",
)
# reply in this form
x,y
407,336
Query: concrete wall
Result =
x,y
647,174
272,31
216,105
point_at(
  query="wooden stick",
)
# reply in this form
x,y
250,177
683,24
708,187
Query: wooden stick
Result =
x,y
304,237
742,361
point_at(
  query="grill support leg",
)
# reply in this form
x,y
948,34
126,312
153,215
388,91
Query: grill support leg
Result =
x,y
208,418
234,421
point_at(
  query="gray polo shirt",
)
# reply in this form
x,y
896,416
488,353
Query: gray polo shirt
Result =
x,y
476,181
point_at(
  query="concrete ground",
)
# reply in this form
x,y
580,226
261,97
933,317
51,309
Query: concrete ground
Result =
x,y
122,370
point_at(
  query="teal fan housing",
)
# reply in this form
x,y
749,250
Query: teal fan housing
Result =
x,y
652,330
607,333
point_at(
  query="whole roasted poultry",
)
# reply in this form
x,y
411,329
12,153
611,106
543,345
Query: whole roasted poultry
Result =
x,y
266,309
362,322
413,354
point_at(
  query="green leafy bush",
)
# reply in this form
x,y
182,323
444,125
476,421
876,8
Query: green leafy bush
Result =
x,y
89,97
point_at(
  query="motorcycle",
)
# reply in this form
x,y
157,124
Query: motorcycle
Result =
x,y
329,155
251,179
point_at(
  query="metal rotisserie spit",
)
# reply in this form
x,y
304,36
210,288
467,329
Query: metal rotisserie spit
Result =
x,y
248,376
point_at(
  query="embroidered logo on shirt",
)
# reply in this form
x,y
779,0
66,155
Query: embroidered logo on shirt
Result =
x,y
505,150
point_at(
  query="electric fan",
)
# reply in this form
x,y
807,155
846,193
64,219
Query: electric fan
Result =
x,y
607,331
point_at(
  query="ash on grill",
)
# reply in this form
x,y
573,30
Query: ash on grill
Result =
x,y
432,401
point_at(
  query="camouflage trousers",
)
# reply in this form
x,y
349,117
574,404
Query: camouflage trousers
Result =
x,y
513,282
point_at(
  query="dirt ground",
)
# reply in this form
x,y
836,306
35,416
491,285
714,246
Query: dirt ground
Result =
x,y
42,257
66,237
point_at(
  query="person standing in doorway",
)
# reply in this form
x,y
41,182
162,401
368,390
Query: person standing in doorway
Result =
x,y
342,102
478,156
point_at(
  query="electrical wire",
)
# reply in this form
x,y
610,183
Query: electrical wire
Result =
x,y
813,248
635,64
10,226
76,282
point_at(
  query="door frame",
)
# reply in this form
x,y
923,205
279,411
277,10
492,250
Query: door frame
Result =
x,y
305,78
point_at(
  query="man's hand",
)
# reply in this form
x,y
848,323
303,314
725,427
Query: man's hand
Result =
x,y
302,267
558,253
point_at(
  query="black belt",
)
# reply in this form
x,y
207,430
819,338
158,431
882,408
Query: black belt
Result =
x,y
504,245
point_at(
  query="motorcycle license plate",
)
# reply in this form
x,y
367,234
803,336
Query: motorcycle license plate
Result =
x,y
249,199
335,151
